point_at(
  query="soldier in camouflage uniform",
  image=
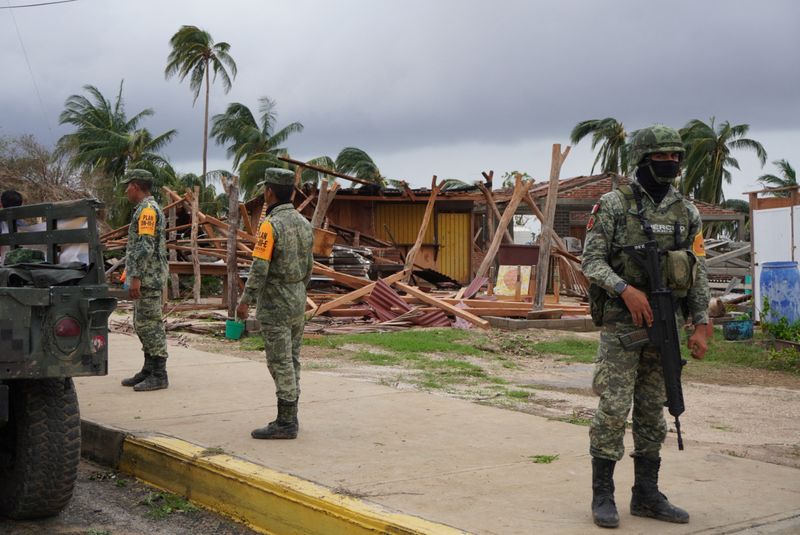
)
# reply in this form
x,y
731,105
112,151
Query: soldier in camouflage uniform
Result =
x,y
282,264
620,305
146,273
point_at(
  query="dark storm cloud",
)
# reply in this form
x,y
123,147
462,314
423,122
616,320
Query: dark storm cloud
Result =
x,y
393,76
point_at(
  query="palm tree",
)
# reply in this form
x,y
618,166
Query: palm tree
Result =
x,y
788,177
106,142
708,157
105,139
610,135
254,143
350,161
194,54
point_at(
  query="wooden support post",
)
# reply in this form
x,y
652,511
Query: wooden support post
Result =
x,y
175,290
491,206
520,189
518,285
233,222
195,253
426,220
546,241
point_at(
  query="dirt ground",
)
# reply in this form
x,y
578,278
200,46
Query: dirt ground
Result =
x,y
739,411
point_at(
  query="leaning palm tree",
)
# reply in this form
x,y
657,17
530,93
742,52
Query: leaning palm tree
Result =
x,y
350,161
253,142
106,143
708,156
788,177
610,135
195,54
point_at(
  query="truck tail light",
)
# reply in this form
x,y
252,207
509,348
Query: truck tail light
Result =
x,y
67,328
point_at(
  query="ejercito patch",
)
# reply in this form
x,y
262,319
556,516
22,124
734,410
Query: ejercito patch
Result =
x,y
699,247
264,242
590,223
147,222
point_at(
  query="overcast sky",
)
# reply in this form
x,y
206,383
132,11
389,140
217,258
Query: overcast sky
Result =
x,y
445,87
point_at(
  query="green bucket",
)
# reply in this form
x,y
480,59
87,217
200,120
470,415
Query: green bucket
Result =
x,y
234,329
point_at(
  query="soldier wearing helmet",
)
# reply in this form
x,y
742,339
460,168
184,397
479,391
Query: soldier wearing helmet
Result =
x,y
620,305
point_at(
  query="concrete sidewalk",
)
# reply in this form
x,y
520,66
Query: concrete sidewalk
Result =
x,y
444,460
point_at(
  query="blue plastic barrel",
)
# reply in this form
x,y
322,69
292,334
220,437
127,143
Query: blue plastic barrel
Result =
x,y
780,285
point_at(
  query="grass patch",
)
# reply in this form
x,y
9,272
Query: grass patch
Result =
x,y
163,504
252,343
409,341
750,354
210,452
579,350
377,359
543,459
518,394
722,427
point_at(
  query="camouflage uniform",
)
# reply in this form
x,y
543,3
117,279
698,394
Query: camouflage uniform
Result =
x,y
282,264
146,259
621,376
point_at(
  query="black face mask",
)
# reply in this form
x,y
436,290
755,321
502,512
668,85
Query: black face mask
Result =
x,y
665,171
656,189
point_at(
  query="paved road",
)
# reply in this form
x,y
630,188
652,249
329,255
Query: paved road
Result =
x,y
109,504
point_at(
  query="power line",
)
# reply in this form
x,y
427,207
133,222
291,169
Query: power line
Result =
x,y
30,69
38,5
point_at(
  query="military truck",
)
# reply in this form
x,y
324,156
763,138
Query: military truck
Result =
x,y
53,327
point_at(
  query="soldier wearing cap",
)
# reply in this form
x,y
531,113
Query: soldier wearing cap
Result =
x,y
282,264
619,302
146,273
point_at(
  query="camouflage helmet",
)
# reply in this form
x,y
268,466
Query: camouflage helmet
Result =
x,y
279,176
656,138
138,174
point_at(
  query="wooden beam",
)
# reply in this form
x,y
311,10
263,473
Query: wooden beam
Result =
x,y
546,240
232,296
450,309
195,253
490,204
423,228
325,170
520,189
358,294
722,258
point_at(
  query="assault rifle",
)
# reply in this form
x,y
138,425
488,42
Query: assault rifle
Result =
x,y
663,334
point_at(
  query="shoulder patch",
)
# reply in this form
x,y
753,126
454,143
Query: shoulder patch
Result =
x,y
595,208
264,242
590,223
698,246
147,221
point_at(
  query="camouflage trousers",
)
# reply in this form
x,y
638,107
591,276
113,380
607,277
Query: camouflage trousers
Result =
x,y
148,323
620,378
282,346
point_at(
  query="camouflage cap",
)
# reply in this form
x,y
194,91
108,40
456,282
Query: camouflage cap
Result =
x,y
138,174
656,138
276,175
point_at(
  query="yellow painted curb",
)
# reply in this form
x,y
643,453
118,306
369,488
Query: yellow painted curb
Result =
x,y
266,500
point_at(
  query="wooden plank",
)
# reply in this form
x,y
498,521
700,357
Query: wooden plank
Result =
x,y
450,309
490,204
423,228
325,171
231,297
195,254
520,189
248,224
722,258
347,280
358,294
545,243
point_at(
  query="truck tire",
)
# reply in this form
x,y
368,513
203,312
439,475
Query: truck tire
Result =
x,y
40,448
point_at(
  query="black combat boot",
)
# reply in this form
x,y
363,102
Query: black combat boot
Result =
x,y
604,509
147,369
646,499
285,426
158,378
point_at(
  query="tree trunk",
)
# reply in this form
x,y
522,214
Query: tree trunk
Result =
x,y
233,268
205,127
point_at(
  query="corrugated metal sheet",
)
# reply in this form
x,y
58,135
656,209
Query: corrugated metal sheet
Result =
x,y
403,221
383,299
454,241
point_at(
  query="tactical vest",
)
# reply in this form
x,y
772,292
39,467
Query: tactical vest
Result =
x,y
670,228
